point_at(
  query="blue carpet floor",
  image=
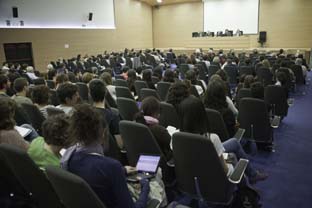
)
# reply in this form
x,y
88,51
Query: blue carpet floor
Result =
x,y
290,167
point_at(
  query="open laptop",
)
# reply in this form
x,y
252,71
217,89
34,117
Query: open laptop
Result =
x,y
147,166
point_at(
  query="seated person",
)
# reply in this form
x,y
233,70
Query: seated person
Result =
x,y
4,85
46,150
8,134
149,115
194,120
106,176
107,79
97,92
40,97
68,96
21,88
147,77
60,79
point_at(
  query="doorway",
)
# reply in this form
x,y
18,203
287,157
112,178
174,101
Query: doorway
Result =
x,y
18,53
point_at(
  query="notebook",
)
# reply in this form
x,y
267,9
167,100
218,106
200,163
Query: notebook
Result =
x,y
22,131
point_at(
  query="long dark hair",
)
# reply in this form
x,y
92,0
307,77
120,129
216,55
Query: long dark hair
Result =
x,y
193,116
215,95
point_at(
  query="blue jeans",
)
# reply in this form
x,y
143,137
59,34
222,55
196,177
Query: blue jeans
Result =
x,y
233,146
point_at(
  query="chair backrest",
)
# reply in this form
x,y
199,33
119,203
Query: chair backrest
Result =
x,y
50,84
265,76
168,115
243,92
31,178
254,118
53,100
212,70
247,70
275,96
202,71
138,85
83,91
196,158
123,92
162,89
216,124
54,111
183,68
232,73
35,116
72,190
298,74
138,139
121,83
127,108
146,92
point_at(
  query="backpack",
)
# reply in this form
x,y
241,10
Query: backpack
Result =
x,y
246,197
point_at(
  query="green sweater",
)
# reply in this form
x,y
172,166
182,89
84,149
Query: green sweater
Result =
x,y
41,156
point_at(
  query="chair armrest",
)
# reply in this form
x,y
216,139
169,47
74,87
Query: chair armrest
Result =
x,y
239,134
275,122
239,171
170,163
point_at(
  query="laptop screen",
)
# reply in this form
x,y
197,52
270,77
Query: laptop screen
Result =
x,y
148,163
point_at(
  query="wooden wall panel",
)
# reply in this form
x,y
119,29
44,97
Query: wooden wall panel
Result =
x,y
287,23
133,30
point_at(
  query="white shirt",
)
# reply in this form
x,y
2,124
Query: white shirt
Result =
x,y
231,106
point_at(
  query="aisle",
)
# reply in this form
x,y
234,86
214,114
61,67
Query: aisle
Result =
x,y
290,167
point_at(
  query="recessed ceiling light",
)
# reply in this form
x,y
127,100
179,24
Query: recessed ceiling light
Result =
x,y
159,1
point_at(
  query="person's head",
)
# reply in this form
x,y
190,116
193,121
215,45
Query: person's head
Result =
x,y
7,111
298,61
61,79
51,74
72,77
147,75
193,117
86,126
40,95
20,85
132,74
168,76
4,82
281,77
68,94
87,77
150,106
216,59
266,63
30,69
125,69
97,90
157,72
106,78
55,130
222,75
257,90
177,93
249,79
191,76
215,95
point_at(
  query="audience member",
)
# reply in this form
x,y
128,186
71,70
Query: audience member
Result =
x,y
40,97
4,85
107,79
21,89
68,97
106,176
194,120
45,150
147,77
7,132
